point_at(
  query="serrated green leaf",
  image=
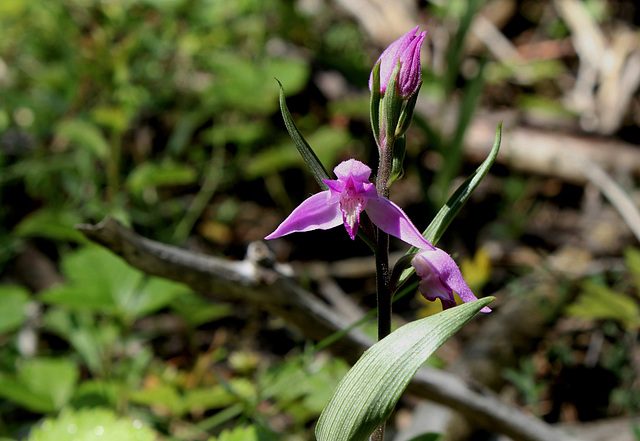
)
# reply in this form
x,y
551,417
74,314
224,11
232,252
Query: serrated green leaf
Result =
x,y
370,390
448,212
307,153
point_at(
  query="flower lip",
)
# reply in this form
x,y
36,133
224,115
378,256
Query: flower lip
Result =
x,y
440,277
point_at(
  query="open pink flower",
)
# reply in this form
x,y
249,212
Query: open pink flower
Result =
x,y
440,277
343,202
407,50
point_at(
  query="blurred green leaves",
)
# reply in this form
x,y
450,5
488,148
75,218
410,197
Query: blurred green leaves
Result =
x,y
246,433
101,282
14,300
41,384
116,106
92,425
599,301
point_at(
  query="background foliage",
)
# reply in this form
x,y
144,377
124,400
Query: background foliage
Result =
x,y
164,114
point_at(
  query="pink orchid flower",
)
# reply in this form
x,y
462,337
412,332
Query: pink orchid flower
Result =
x,y
343,202
440,277
407,50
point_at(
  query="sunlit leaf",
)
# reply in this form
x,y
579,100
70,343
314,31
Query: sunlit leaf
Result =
x,y
166,398
14,299
92,425
597,301
41,384
246,433
369,392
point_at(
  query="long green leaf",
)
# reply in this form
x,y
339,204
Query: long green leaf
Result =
x,y
307,153
368,393
448,212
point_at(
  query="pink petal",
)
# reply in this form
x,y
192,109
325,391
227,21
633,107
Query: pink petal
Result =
x,y
389,58
392,220
317,212
354,169
410,74
430,284
450,274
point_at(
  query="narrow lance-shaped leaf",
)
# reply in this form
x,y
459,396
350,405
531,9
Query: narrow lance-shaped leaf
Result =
x,y
368,393
448,212
307,153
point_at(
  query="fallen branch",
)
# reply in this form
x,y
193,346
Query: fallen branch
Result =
x,y
251,282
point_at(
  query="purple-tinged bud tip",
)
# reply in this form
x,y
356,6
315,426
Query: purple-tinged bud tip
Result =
x,y
407,50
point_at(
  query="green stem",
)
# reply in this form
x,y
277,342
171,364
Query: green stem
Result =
x,y
383,286
383,283
383,292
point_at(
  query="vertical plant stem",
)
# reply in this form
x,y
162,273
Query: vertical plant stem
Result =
x,y
383,284
383,287
383,292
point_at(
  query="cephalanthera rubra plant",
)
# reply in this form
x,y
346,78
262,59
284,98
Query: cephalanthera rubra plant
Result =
x,y
370,390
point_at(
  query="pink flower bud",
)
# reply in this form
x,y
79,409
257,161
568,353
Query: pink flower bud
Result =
x,y
407,50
